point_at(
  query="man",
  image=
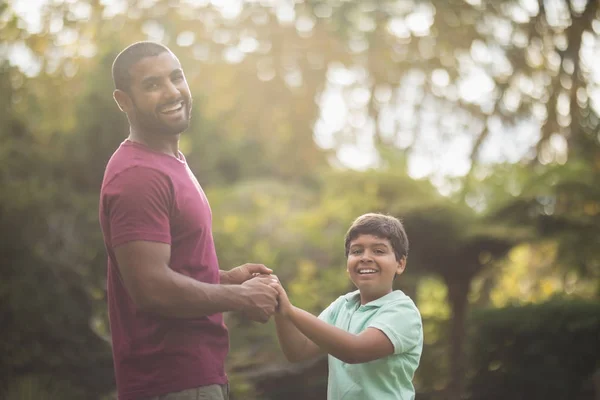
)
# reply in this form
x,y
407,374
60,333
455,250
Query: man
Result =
x,y
166,294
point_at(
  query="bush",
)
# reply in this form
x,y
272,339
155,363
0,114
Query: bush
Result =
x,y
546,351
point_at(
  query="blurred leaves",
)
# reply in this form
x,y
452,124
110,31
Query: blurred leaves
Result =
x,y
475,122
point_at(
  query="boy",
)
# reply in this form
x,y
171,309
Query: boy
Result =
x,y
374,336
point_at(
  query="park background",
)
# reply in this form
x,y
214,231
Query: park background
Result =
x,y
474,121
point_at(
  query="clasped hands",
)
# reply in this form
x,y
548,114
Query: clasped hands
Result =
x,y
262,290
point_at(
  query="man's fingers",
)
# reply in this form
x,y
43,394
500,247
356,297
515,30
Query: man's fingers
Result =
x,y
259,317
266,279
258,269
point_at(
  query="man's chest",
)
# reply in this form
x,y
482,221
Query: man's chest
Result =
x,y
191,211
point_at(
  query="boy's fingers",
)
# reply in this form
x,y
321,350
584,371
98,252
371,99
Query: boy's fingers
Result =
x,y
277,286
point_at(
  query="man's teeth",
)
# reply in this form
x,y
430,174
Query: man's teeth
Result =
x,y
174,107
366,271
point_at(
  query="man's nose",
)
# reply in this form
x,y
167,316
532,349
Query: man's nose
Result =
x,y
171,91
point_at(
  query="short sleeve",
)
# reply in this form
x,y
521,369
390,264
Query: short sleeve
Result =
x,y
401,323
330,313
138,204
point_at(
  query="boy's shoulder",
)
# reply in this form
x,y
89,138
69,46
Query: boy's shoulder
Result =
x,y
392,298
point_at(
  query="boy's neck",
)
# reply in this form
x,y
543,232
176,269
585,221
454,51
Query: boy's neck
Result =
x,y
367,298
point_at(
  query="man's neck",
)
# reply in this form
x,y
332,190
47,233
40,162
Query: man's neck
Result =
x,y
163,144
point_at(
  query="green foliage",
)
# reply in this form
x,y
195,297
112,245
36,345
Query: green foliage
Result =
x,y
259,78
40,387
544,351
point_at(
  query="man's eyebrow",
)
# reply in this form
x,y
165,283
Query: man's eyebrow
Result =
x,y
176,71
150,79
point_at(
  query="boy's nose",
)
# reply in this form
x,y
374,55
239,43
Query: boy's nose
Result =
x,y
366,258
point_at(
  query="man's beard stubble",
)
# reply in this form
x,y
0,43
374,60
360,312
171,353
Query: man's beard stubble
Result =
x,y
149,122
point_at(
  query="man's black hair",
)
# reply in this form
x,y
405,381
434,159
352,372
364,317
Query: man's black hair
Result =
x,y
131,55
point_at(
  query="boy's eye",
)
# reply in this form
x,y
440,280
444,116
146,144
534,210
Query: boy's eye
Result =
x,y
355,251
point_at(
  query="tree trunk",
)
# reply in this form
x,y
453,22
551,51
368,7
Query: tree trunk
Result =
x,y
458,290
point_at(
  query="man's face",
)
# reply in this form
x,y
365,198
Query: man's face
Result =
x,y
372,266
160,96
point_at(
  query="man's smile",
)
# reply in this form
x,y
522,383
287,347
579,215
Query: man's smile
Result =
x,y
172,108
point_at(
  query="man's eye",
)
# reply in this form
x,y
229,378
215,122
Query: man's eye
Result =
x,y
151,86
178,78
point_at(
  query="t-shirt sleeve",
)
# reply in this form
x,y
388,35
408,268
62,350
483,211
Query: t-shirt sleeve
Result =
x,y
138,204
329,314
401,323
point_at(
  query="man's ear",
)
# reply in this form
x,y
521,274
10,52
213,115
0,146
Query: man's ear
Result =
x,y
123,100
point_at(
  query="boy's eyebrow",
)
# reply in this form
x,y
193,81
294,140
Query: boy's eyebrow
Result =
x,y
381,244
372,244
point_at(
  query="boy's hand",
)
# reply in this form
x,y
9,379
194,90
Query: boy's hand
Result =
x,y
284,307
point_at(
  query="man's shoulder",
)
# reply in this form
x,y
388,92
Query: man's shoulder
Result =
x,y
128,164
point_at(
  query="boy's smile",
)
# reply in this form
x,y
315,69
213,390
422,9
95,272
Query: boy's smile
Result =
x,y
372,266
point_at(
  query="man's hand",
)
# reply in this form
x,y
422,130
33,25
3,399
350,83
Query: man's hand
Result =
x,y
241,274
261,298
285,307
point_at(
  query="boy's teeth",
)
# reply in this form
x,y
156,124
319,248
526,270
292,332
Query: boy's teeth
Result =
x,y
366,271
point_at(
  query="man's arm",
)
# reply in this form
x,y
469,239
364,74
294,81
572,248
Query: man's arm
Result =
x,y
299,331
156,288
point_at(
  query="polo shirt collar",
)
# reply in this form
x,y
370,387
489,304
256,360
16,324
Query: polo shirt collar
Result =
x,y
353,298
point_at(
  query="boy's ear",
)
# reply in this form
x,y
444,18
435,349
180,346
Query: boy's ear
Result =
x,y
123,100
401,265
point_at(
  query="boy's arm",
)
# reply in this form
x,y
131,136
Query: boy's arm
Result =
x,y
369,345
303,336
295,346
293,343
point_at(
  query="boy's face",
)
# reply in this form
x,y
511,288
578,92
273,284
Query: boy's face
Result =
x,y
372,266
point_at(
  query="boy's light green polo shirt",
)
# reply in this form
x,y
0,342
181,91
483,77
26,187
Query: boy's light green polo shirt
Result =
x,y
396,315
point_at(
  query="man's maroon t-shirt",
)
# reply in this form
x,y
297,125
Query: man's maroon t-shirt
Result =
x,y
151,196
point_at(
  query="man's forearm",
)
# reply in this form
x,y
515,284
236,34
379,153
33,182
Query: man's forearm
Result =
x,y
180,296
332,340
224,277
